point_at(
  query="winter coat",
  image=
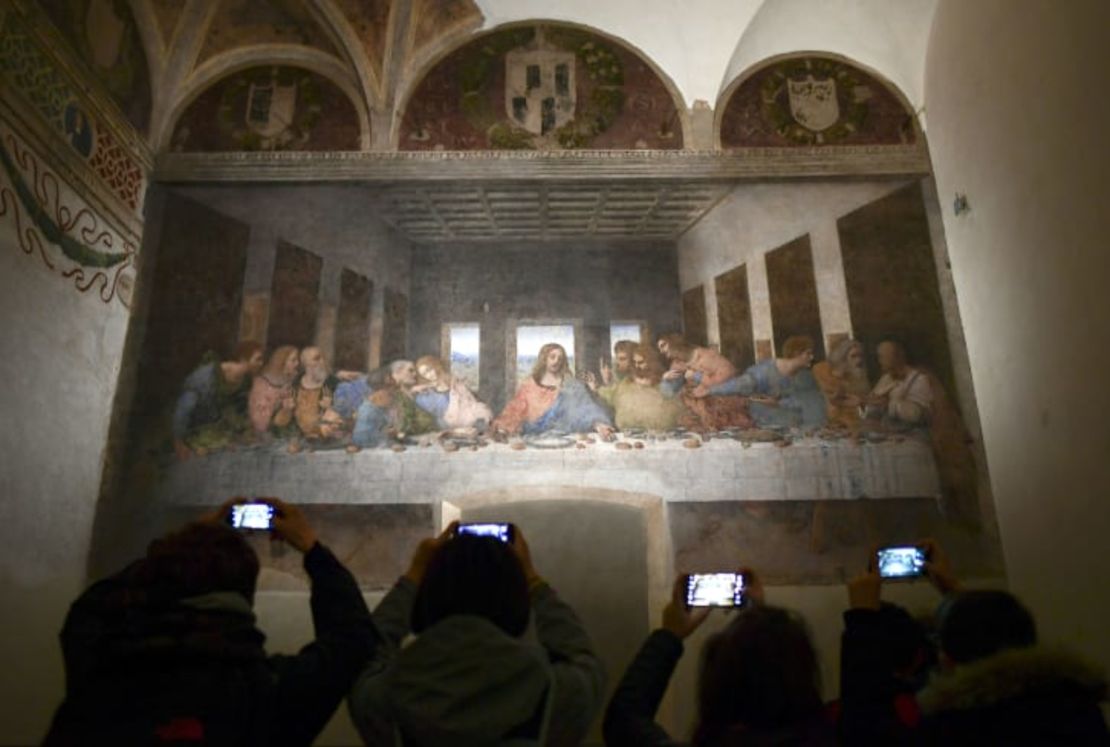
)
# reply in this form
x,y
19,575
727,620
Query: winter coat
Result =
x,y
630,717
147,669
464,682
876,707
1027,696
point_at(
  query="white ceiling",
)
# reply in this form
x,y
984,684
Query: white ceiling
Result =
x,y
702,45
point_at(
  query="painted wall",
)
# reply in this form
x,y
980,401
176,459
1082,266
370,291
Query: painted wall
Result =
x,y
60,377
332,222
1030,263
757,218
593,282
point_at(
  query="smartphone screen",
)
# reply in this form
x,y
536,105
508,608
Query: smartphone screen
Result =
x,y
901,562
503,532
715,590
259,516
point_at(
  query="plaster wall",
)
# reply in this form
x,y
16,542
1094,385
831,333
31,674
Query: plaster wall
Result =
x,y
1030,262
59,373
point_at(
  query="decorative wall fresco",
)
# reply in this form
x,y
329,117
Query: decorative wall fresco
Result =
x,y
540,87
167,12
370,21
54,225
104,36
814,100
245,22
437,18
31,74
269,108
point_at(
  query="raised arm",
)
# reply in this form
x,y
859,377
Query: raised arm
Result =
x,y
630,716
312,682
579,676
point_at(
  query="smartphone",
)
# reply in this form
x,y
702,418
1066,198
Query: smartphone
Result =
x,y
255,516
715,590
906,561
503,532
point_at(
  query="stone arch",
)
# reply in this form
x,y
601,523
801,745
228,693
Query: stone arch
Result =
x,y
218,70
455,45
899,123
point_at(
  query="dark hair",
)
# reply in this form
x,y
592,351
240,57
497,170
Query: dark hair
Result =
x,y
906,639
760,672
245,349
200,558
473,576
978,624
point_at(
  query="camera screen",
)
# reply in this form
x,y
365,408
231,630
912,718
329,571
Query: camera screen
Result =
x,y
252,516
901,562
502,532
714,590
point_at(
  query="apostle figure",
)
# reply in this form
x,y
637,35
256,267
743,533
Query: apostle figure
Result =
x,y
551,399
843,380
447,398
390,412
693,370
212,408
908,398
637,400
780,391
314,395
271,399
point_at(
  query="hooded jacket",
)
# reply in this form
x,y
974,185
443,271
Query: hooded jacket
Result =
x,y
144,668
1026,696
464,682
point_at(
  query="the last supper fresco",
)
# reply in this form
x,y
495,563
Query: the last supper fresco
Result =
x,y
787,406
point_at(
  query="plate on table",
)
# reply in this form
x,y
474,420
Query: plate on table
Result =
x,y
550,441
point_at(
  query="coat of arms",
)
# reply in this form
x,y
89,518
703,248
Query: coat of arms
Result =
x,y
813,102
539,89
270,110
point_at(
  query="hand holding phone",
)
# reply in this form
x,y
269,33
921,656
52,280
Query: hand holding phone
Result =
x,y
901,562
502,531
715,590
254,516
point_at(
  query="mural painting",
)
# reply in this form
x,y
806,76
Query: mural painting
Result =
x,y
104,36
814,101
269,108
541,87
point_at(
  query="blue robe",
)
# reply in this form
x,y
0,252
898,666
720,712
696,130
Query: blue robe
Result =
x,y
575,411
800,401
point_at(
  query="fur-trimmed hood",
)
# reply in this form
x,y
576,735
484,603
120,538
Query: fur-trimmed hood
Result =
x,y
1018,673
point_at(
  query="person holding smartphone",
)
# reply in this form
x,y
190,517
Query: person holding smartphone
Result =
x,y
167,650
759,681
469,677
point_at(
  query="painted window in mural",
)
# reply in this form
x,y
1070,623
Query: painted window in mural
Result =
x,y
625,331
531,338
462,351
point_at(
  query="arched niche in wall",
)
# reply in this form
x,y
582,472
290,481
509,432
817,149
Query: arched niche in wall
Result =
x,y
813,99
542,86
105,37
269,107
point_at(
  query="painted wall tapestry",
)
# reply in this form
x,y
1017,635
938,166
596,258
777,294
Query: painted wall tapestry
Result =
x,y
541,87
52,223
814,101
269,108
34,78
104,35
